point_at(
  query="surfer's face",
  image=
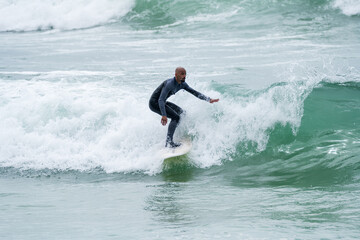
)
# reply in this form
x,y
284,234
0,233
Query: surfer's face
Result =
x,y
181,75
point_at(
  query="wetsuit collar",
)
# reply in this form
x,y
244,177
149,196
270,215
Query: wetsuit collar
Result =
x,y
177,81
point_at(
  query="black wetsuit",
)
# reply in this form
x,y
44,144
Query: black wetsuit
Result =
x,y
159,104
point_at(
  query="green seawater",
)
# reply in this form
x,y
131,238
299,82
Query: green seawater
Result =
x,y
276,158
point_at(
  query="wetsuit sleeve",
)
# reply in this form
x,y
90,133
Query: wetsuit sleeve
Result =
x,y
164,92
196,93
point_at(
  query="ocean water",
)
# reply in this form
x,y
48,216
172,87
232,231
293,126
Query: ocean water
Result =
x,y
278,157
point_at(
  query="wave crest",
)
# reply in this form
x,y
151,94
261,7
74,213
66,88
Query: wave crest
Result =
x,y
348,7
22,15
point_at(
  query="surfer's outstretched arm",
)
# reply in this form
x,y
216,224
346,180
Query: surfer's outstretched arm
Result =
x,y
199,95
195,93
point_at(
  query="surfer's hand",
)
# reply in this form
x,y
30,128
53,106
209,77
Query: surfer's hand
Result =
x,y
214,100
163,120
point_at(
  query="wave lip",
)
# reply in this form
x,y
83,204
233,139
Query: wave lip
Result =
x,y
348,7
22,15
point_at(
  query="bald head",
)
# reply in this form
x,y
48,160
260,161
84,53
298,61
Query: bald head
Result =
x,y
180,74
180,69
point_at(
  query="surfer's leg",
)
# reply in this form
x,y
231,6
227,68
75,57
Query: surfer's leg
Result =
x,y
154,106
175,107
173,111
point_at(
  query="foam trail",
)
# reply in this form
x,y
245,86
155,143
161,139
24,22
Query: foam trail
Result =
x,y
22,15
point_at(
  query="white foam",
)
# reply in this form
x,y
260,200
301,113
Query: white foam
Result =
x,y
69,125
23,15
76,124
348,7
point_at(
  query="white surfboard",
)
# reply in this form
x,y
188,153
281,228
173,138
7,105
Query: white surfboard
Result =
x,y
178,151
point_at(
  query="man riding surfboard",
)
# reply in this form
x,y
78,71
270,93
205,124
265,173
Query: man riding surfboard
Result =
x,y
165,109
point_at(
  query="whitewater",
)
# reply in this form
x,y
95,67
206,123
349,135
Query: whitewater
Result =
x,y
276,157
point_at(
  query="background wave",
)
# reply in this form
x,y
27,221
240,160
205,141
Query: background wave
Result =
x,y
161,13
21,15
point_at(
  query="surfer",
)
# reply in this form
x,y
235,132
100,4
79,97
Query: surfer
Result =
x,y
165,109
